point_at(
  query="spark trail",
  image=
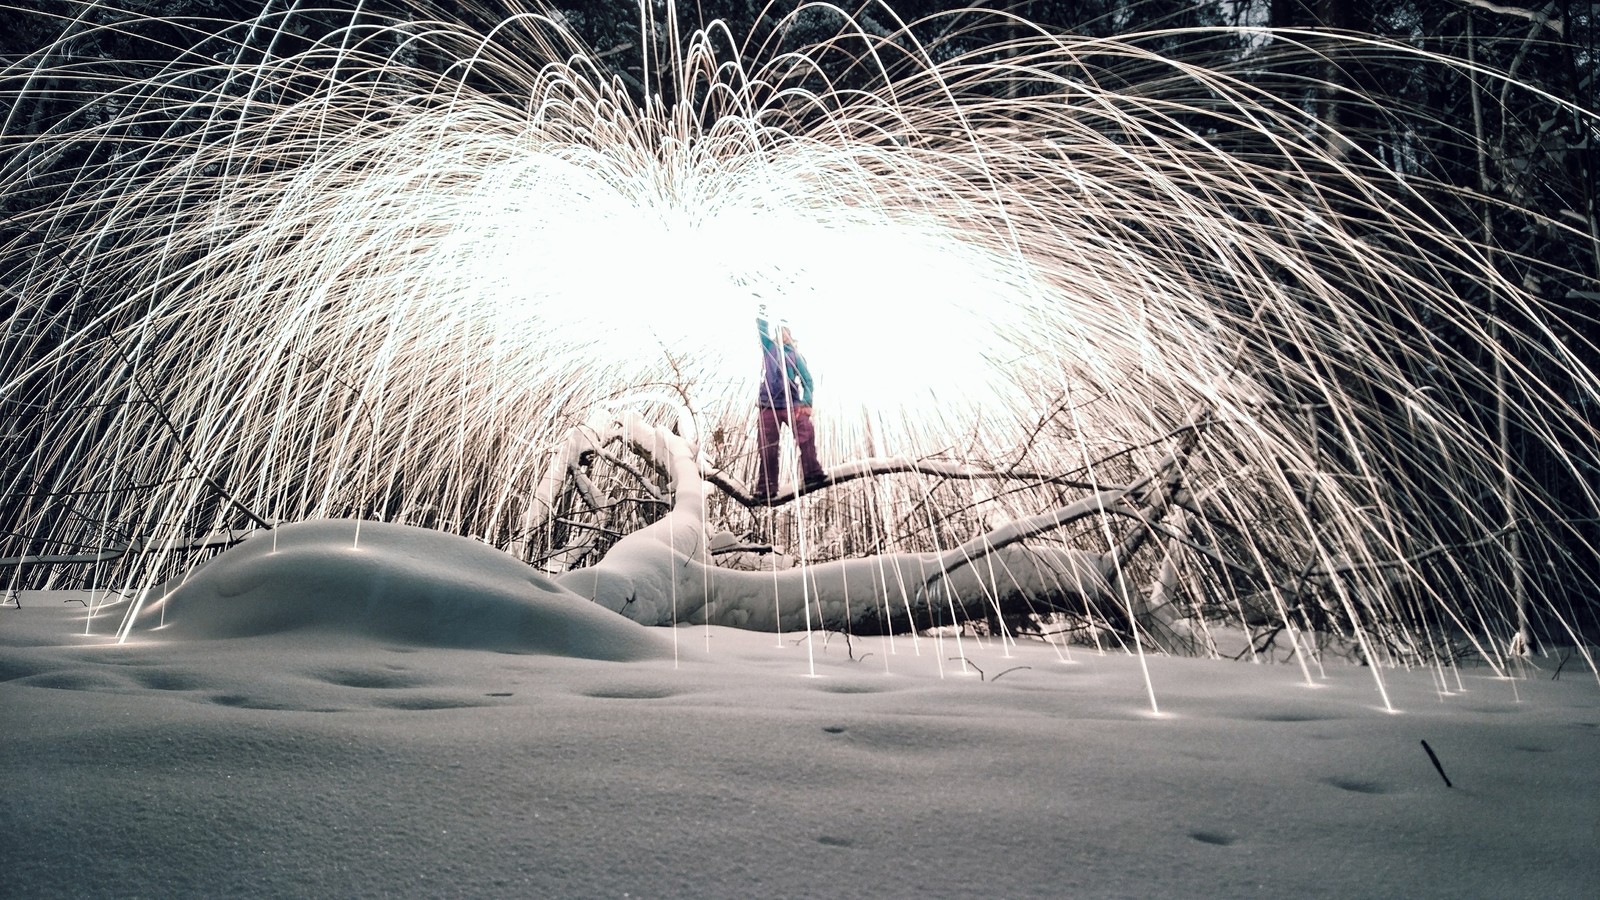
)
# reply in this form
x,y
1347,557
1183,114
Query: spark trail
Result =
x,y
380,274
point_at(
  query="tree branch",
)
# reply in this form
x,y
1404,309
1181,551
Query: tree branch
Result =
x,y
183,448
1537,17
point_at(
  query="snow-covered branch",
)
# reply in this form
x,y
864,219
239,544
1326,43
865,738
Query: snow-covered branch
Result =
x,y
662,574
891,465
216,540
1537,17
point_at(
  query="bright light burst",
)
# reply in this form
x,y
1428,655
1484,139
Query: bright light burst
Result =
x,y
380,275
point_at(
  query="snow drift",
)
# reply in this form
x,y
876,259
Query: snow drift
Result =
x,y
394,582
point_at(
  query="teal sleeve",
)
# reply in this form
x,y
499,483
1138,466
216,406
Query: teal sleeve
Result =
x,y
804,372
766,338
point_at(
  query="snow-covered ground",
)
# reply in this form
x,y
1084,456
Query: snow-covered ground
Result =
x,y
314,759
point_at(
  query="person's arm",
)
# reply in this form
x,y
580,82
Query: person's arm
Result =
x,y
804,374
767,342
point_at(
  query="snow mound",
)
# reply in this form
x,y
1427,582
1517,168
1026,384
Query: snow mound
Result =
x,y
394,582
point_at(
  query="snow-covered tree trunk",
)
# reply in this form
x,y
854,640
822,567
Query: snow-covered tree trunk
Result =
x,y
662,574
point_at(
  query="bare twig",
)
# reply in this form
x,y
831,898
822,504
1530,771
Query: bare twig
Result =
x,y
183,448
1436,765
967,662
108,554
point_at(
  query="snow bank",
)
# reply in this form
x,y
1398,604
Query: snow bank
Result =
x,y
393,582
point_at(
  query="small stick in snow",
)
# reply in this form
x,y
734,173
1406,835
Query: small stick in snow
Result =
x,y
967,662
1555,677
1436,764
1012,669
981,676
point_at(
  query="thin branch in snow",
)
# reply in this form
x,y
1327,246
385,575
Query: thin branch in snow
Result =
x,y
1436,765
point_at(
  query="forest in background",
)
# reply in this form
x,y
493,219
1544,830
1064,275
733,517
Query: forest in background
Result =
x,y
1547,164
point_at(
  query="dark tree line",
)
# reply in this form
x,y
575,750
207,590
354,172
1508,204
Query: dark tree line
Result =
x,y
61,50
58,54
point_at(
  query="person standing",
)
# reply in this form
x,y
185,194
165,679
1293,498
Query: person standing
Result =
x,y
785,398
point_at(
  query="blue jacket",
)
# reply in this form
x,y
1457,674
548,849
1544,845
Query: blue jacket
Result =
x,y
785,380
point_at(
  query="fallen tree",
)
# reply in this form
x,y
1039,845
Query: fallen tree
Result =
x,y
665,573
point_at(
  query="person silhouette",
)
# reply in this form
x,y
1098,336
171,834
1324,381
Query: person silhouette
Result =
x,y
785,397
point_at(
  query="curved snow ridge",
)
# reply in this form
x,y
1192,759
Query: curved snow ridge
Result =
x,y
395,582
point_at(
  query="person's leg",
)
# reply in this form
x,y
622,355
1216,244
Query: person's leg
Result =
x,y
805,438
767,425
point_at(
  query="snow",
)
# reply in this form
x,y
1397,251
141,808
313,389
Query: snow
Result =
x,y
394,581
414,726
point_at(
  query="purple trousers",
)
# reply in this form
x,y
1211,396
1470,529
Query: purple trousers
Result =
x,y
770,424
